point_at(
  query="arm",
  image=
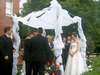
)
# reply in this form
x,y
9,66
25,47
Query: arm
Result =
x,y
73,49
78,46
70,51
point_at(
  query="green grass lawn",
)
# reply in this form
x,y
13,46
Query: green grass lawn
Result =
x,y
95,66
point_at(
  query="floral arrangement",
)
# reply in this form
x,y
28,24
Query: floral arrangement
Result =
x,y
19,69
52,68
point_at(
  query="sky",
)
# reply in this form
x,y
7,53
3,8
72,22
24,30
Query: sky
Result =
x,y
95,0
22,2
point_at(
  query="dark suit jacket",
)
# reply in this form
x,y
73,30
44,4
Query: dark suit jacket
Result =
x,y
40,49
27,50
6,48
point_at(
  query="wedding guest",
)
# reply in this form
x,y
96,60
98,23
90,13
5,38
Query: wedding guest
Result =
x,y
51,45
6,52
66,41
50,41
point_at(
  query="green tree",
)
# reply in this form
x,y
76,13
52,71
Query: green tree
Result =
x,y
89,11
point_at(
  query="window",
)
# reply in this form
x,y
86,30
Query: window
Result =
x,y
9,7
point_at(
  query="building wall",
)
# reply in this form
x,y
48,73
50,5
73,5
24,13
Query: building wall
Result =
x,y
16,6
2,7
7,20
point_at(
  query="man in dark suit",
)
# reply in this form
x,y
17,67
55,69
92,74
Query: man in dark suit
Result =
x,y
40,52
66,50
6,52
27,53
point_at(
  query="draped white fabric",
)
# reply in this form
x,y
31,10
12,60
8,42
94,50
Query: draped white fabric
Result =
x,y
53,17
83,40
16,44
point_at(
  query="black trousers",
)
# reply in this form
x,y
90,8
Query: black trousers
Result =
x,y
34,68
6,68
38,68
28,67
64,57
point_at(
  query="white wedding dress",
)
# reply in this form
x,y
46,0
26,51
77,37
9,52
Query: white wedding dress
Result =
x,y
74,64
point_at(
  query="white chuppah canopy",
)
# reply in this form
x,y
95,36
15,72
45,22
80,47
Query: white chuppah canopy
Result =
x,y
54,17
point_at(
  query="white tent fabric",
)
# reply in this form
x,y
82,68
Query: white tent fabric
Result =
x,y
54,17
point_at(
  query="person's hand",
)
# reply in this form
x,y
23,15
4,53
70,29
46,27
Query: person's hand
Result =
x,y
71,55
6,57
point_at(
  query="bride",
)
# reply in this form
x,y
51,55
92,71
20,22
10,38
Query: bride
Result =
x,y
74,64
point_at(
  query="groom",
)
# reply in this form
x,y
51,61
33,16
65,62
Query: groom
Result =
x,y
66,50
40,52
27,52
